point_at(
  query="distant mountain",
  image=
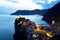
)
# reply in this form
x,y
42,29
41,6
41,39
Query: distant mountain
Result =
x,y
30,12
53,14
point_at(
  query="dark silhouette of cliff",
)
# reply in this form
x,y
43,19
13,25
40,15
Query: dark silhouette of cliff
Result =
x,y
53,14
22,29
19,32
30,12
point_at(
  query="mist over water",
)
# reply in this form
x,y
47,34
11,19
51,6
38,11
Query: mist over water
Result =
x,y
7,25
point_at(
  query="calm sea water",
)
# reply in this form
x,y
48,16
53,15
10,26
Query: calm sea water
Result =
x,y
7,25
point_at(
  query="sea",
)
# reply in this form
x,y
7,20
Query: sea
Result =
x,y
7,24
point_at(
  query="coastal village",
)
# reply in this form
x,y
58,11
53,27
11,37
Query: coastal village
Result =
x,y
29,19
26,29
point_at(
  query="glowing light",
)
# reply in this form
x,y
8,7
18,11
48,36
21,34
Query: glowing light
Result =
x,y
49,34
20,23
37,28
53,22
41,29
34,35
20,16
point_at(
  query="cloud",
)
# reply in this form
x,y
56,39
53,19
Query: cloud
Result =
x,y
26,4
29,4
21,4
44,1
8,4
7,7
49,1
39,1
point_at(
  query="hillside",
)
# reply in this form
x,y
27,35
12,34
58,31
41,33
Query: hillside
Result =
x,y
29,12
53,14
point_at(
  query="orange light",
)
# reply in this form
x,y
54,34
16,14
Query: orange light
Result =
x,y
37,29
20,16
49,34
20,23
34,35
17,18
53,22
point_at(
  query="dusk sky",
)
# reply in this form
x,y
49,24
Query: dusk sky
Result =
x,y
10,6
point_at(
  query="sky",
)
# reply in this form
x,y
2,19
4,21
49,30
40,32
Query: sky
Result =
x,y
10,6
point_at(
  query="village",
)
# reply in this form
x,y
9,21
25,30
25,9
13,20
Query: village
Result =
x,y
29,30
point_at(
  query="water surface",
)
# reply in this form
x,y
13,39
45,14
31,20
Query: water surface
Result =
x,y
7,25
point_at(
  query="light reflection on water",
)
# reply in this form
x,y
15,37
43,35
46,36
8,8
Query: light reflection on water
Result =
x,y
7,25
